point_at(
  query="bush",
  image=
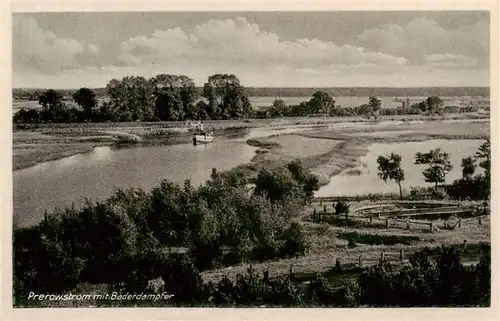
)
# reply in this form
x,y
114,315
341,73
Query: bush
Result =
x,y
476,188
342,208
377,239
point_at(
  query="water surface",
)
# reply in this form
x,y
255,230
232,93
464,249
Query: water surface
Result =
x,y
369,182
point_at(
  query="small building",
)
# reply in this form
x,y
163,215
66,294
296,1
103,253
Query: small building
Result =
x,y
263,112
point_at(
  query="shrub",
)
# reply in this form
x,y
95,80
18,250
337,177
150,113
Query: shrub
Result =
x,y
377,239
342,208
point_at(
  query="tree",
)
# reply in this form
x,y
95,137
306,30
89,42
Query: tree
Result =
x,y
174,97
50,99
53,108
468,167
439,165
375,105
131,98
320,103
86,99
434,105
277,186
389,168
308,181
484,154
279,108
226,97
364,110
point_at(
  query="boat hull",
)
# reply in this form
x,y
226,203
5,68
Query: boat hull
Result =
x,y
203,139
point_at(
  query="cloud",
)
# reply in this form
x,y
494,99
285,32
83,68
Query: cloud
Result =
x,y
421,37
281,75
449,61
36,48
93,48
240,42
418,53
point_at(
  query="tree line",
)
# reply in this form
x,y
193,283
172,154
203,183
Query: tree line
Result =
x,y
163,97
175,98
32,94
323,104
438,166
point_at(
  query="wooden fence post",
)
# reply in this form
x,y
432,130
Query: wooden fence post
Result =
x,y
381,256
479,221
465,245
459,222
407,224
266,275
337,264
360,262
290,272
446,224
401,254
315,216
387,223
431,227
371,220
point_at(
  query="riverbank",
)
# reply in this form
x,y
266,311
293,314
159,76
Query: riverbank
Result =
x,y
330,151
31,147
39,143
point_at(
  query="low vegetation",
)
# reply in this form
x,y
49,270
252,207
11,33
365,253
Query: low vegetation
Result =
x,y
115,241
375,239
441,281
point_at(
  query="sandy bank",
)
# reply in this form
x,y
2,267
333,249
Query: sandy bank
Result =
x,y
330,151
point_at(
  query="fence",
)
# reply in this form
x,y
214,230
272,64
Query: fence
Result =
x,y
388,222
356,264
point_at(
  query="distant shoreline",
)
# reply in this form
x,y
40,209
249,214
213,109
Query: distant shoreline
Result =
x,y
481,91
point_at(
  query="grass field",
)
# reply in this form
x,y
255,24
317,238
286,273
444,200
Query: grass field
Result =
x,y
329,243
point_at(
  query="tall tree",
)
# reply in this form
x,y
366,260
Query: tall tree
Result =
x,y
484,155
50,99
54,110
321,103
86,99
131,97
434,104
174,97
226,97
375,105
389,168
439,165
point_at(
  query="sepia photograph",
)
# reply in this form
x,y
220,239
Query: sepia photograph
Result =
x,y
251,159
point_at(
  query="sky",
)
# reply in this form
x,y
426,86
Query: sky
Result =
x,y
263,49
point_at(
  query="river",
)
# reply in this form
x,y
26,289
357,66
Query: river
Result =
x,y
96,174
